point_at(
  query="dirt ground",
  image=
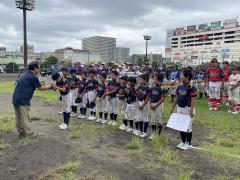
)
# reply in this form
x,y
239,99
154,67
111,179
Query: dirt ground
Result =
x,y
103,157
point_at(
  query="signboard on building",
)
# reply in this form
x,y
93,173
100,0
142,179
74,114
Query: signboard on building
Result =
x,y
216,25
194,57
230,23
180,31
191,29
168,49
170,32
225,50
202,27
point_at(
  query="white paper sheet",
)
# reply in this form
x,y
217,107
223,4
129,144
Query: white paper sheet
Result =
x,y
179,122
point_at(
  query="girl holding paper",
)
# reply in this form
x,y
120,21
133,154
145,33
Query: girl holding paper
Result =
x,y
185,102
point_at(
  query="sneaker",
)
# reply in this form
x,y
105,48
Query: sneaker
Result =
x,y
81,116
72,115
103,121
235,112
227,104
211,108
110,122
122,127
136,132
229,111
60,125
98,120
89,118
143,135
114,123
187,146
152,136
215,109
180,145
129,130
60,112
64,126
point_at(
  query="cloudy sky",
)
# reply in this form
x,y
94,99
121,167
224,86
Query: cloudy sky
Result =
x,y
60,23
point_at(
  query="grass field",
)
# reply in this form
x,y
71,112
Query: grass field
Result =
x,y
222,143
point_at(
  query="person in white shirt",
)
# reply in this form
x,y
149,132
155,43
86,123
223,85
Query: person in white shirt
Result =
x,y
234,92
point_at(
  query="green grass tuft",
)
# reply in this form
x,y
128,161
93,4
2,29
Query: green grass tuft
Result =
x,y
7,124
136,143
3,146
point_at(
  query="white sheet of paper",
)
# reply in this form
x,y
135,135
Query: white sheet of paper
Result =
x,y
179,122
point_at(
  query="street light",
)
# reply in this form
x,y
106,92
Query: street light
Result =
x,y
25,5
147,38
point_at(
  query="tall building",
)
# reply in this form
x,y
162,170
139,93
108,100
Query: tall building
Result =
x,y
105,46
30,51
76,55
198,44
121,54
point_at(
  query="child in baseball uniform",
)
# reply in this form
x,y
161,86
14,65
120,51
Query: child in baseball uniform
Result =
x,y
91,94
102,99
82,94
122,102
131,98
62,85
185,102
157,96
234,92
113,87
74,83
142,106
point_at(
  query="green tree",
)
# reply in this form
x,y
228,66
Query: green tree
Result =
x,y
140,61
235,63
12,68
51,60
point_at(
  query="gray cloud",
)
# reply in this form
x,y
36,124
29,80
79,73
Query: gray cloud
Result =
x,y
59,23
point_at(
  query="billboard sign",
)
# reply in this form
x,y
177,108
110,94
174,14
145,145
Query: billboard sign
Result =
x,y
170,32
216,25
191,29
180,31
202,27
225,50
231,23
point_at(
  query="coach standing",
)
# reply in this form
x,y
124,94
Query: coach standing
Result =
x,y
22,96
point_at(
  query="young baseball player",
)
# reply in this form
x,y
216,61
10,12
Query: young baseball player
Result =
x,y
91,94
113,87
157,96
234,92
122,102
185,102
74,84
173,78
62,85
226,73
200,82
82,89
131,98
142,106
214,83
101,98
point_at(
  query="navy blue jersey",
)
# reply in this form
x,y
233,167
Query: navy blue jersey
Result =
x,y
74,82
174,75
92,84
82,86
200,76
113,85
101,89
131,94
184,94
103,70
156,93
122,91
64,83
143,93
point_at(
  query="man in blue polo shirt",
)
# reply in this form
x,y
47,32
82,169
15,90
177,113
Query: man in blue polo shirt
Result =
x,y
22,96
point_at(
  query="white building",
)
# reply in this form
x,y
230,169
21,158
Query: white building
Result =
x,y
76,55
121,54
105,46
198,44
